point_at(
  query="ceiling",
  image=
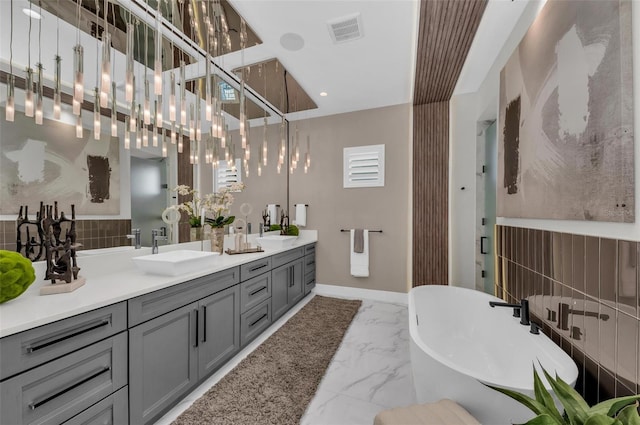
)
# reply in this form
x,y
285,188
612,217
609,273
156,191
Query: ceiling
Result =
x,y
373,71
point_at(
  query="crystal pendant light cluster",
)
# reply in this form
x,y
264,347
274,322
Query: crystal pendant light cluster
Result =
x,y
145,115
39,86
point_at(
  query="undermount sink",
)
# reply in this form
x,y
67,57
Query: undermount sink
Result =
x,y
276,241
174,263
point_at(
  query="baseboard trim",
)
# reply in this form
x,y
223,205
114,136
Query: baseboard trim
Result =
x,y
361,294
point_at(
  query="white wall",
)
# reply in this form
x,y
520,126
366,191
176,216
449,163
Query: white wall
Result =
x,y
466,111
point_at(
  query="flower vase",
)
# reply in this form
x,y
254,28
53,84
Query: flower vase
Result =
x,y
217,239
196,234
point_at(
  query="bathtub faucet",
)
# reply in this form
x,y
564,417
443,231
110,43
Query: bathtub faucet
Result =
x,y
519,310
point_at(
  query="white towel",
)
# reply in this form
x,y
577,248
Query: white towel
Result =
x,y
359,262
272,210
301,215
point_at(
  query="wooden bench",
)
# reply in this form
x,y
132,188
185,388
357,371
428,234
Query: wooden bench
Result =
x,y
443,412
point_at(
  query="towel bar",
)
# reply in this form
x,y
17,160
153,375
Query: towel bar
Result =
x,y
370,231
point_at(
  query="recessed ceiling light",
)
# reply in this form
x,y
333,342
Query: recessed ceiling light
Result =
x,y
323,93
292,41
31,13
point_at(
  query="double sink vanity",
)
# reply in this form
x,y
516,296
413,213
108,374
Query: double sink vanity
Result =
x,y
129,345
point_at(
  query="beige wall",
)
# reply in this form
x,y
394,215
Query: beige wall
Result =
x,y
270,188
331,207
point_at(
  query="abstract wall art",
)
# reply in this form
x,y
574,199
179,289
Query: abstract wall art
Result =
x,y
565,148
48,163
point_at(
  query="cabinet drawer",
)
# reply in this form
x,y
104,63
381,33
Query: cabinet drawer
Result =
x,y
253,322
154,304
309,282
285,257
254,291
255,268
59,390
310,249
28,349
113,410
309,263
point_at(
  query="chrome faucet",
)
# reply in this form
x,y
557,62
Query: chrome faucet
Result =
x,y
155,237
135,234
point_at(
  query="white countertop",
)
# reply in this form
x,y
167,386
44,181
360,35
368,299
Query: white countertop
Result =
x,y
112,278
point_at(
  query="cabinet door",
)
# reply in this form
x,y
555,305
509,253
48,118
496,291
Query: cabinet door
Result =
x,y
163,360
295,290
112,410
280,280
219,330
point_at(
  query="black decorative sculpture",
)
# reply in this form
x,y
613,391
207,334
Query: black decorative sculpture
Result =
x,y
33,246
60,252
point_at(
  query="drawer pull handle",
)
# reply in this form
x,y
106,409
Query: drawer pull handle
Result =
x,y
195,345
311,262
204,323
260,319
37,347
253,269
35,405
264,288
311,282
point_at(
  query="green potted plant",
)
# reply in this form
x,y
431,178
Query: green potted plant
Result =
x,y
616,411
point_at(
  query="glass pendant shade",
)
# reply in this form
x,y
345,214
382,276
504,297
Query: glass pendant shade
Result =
x,y
145,137
147,104
247,152
129,77
28,96
192,124
155,138
10,109
179,136
172,99
132,111
243,130
105,77
79,132
157,74
173,134
57,98
159,118
78,82
114,112
139,129
223,137
183,95
264,143
127,133
164,146
96,114
208,105
307,159
297,145
38,112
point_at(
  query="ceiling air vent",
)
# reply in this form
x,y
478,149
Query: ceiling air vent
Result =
x,y
346,28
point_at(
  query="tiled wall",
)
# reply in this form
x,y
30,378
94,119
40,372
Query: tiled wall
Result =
x,y
91,234
586,293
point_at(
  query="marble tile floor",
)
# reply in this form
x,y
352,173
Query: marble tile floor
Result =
x,y
370,372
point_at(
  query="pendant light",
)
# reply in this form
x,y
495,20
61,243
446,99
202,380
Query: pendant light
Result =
x,y
39,97
10,109
264,143
139,128
129,77
133,122
179,137
96,114
114,112
198,129
127,133
78,67
79,129
164,145
183,95
192,124
57,85
28,99
157,74
173,133
147,101
172,98
105,77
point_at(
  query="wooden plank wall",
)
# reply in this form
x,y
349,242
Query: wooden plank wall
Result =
x,y
445,34
430,193
185,176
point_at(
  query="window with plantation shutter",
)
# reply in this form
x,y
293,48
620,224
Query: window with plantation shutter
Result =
x,y
364,166
226,176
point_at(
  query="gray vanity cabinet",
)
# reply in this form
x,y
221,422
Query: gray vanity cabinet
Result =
x,y
309,268
219,329
163,362
286,287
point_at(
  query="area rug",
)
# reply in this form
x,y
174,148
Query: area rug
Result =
x,y
275,383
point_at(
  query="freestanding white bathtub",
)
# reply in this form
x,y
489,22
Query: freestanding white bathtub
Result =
x,y
458,343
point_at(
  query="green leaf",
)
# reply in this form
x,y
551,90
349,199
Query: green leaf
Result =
x,y
533,405
614,405
545,420
629,415
230,219
543,396
574,405
599,419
